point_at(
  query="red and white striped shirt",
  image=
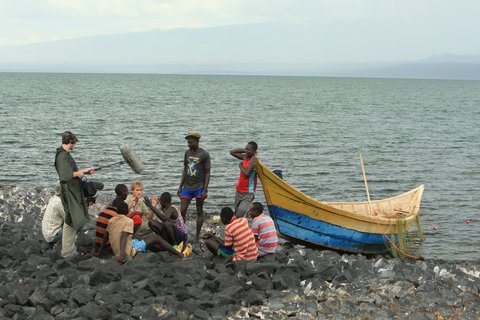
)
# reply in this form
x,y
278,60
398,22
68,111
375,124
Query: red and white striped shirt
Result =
x,y
239,235
264,228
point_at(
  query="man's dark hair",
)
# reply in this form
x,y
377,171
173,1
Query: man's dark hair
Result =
x,y
257,207
254,145
120,205
69,137
166,197
227,214
121,189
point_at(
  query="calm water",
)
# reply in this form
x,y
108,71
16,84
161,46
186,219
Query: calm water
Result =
x,y
409,132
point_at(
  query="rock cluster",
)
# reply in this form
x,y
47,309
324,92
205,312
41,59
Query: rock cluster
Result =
x,y
296,283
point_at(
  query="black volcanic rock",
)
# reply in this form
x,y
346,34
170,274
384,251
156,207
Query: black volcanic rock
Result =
x,y
297,282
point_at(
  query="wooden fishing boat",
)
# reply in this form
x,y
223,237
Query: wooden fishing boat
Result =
x,y
370,227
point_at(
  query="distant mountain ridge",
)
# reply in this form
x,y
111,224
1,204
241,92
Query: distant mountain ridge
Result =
x,y
423,70
263,49
452,58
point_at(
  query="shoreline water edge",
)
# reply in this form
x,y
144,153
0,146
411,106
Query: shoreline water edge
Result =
x,y
295,283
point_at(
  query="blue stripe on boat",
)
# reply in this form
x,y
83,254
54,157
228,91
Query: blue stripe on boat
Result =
x,y
322,233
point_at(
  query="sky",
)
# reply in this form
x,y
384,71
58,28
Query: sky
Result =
x,y
434,26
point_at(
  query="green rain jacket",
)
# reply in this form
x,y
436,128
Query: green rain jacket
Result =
x,y
73,199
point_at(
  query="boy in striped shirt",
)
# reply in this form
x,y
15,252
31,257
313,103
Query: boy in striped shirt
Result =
x,y
263,228
239,241
106,214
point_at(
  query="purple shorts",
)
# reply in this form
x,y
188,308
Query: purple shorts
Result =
x,y
179,235
189,194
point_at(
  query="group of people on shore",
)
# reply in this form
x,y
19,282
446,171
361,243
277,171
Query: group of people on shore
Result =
x,y
132,223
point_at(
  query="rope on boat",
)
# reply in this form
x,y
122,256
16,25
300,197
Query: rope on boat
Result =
x,y
401,243
395,248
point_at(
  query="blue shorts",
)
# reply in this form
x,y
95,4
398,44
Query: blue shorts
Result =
x,y
139,245
189,194
224,252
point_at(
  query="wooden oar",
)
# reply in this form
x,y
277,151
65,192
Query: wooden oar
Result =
x,y
366,186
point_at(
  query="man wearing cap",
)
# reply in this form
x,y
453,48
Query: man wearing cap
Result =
x,y
73,198
195,178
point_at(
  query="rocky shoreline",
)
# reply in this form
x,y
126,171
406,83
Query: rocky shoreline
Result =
x,y
296,283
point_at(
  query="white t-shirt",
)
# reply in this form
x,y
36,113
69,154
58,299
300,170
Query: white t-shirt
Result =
x,y
53,218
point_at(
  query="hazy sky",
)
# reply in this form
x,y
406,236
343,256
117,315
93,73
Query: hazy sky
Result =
x,y
434,26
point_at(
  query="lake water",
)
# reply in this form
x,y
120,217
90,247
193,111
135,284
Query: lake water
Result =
x,y
409,132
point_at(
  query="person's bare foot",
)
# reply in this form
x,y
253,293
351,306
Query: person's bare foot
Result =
x,y
197,249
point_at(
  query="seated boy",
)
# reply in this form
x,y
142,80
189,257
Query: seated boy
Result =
x,y
263,229
135,203
119,232
53,219
172,228
54,227
106,214
239,241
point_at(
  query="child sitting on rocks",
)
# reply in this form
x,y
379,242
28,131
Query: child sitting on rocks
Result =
x,y
263,228
239,243
135,203
120,230
172,228
53,219
106,214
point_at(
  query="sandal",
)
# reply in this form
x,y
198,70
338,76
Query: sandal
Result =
x,y
179,247
187,252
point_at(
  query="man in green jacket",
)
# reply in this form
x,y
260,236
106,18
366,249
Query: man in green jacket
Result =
x,y
73,198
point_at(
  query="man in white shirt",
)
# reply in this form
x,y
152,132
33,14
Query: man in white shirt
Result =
x,y
53,226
